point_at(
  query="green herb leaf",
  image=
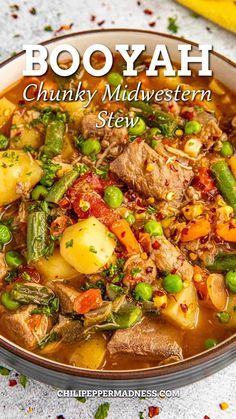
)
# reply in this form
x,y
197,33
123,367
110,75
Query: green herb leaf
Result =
x,y
172,25
81,399
4,371
23,380
102,411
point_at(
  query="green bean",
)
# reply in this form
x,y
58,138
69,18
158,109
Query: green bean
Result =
x,y
54,138
36,235
223,262
59,188
31,294
156,118
127,316
225,181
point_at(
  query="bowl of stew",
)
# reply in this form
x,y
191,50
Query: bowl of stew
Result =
x,y
118,262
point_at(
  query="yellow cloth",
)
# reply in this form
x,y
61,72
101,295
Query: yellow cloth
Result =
x,y
222,12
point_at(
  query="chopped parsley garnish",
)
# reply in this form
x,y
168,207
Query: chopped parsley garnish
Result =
x,y
172,25
81,399
92,249
4,371
48,28
23,380
151,210
135,271
69,243
102,411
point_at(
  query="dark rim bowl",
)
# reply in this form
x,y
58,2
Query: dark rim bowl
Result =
x,y
163,377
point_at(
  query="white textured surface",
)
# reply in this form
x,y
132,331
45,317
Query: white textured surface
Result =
x,y
201,398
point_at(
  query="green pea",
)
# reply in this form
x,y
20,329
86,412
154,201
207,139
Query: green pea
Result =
x,y
143,291
8,302
39,192
138,128
172,283
154,228
130,218
227,149
223,317
3,142
230,280
210,343
115,79
90,146
113,196
5,234
192,127
14,259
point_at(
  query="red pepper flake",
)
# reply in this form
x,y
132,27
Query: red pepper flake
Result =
x,y
92,18
12,382
123,234
148,12
152,24
156,245
159,293
206,417
64,28
14,15
139,3
101,22
153,411
60,417
21,102
184,308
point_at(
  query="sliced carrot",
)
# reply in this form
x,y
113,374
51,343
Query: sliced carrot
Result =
x,y
34,321
227,231
125,235
195,229
87,301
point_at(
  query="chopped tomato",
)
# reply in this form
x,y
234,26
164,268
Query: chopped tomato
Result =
x,y
88,204
87,301
86,183
59,225
33,274
34,321
204,182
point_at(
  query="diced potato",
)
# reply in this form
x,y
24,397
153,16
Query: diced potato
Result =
x,y
19,172
23,135
75,109
216,87
192,211
193,147
68,151
87,245
231,310
217,292
6,111
90,353
182,308
55,267
169,82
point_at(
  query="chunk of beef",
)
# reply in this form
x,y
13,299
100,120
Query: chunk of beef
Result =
x,y
168,258
25,328
69,330
66,295
149,338
151,174
210,129
89,129
145,269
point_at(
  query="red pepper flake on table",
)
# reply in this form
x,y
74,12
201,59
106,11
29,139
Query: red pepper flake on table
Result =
x,y
153,411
